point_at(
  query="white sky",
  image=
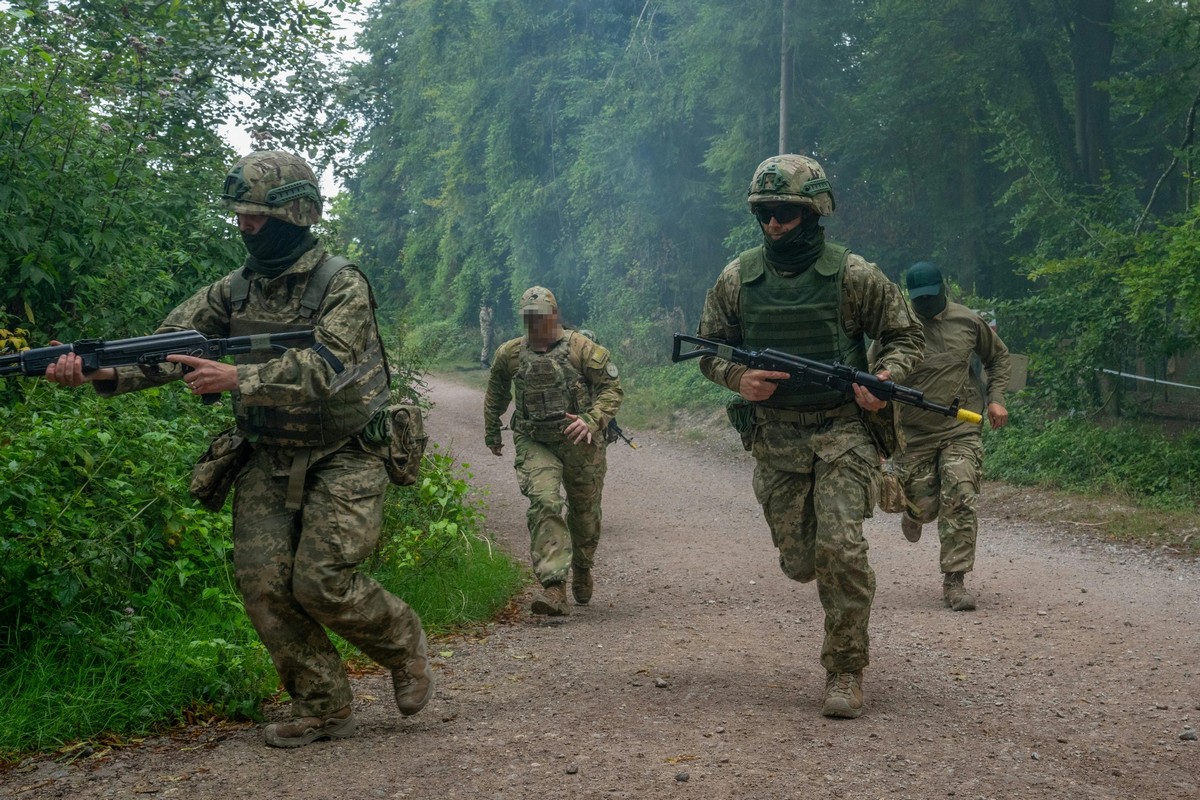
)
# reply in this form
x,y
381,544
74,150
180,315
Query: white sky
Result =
x,y
348,23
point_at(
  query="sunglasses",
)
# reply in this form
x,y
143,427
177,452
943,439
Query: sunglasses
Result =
x,y
782,214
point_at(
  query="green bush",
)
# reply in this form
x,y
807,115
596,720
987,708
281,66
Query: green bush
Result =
x,y
434,555
118,610
442,340
94,505
1076,454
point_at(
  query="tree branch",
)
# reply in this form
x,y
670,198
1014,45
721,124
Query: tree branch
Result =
x,y
1189,133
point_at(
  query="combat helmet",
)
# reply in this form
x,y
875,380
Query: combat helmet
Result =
x,y
792,179
276,184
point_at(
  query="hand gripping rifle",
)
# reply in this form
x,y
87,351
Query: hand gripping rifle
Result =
x,y
144,351
807,371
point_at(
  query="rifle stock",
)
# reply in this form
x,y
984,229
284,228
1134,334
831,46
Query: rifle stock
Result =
x,y
806,370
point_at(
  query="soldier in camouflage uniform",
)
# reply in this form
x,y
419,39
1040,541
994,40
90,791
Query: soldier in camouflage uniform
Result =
x,y
485,333
308,503
817,451
942,460
565,389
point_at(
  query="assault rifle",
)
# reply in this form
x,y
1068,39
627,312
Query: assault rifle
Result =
x,y
807,371
146,350
614,432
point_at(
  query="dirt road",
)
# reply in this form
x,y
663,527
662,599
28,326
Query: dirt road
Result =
x,y
694,673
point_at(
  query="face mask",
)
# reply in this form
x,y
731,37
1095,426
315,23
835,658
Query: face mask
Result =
x,y
274,240
931,305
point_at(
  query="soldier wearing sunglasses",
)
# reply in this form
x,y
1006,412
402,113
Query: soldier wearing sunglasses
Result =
x,y
817,450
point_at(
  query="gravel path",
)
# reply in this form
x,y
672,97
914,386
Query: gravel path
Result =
x,y
694,672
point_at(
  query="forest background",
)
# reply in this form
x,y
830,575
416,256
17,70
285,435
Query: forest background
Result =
x,y
1041,151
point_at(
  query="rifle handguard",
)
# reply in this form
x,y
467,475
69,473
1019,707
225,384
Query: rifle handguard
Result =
x,y
818,372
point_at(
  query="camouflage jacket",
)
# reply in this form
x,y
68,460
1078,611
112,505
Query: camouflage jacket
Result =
x,y
871,305
595,367
953,339
346,326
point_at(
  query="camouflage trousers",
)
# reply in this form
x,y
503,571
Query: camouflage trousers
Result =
x,y
298,571
942,485
556,543
816,484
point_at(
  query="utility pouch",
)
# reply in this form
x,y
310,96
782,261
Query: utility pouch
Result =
x,y
891,494
397,435
215,472
741,416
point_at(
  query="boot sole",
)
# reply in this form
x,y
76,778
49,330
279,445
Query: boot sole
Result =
x,y
547,609
841,712
343,731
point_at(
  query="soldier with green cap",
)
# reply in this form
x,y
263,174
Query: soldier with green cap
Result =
x,y
565,389
308,499
941,464
817,450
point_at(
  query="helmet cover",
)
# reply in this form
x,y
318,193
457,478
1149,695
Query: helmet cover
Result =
x,y
276,184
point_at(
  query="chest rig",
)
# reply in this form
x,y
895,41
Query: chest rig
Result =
x,y
359,390
799,314
547,386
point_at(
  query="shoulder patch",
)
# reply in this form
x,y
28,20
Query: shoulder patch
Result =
x,y
611,369
597,358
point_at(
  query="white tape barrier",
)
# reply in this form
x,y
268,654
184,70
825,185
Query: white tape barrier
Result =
x,y
1144,378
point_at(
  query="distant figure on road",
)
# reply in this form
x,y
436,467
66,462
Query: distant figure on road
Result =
x,y
566,391
485,332
941,465
817,450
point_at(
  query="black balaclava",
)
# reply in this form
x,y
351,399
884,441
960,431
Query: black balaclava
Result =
x,y
276,246
799,248
930,305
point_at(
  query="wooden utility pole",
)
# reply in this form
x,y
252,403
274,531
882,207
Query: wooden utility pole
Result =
x,y
785,80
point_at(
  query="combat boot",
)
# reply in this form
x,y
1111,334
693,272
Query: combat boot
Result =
x,y
910,528
581,586
413,682
955,594
300,731
552,601
843,695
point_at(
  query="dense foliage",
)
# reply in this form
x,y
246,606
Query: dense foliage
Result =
x,y
111,155
1042,151
1141,464
117,604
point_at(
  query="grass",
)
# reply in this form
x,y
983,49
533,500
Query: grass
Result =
x,y
146,673
133,677
456,593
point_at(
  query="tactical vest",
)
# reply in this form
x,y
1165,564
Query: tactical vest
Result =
x,y
547,386
800,315
359,390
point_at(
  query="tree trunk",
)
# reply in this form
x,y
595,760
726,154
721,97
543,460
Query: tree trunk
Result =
x,y
1092,42
1052,118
